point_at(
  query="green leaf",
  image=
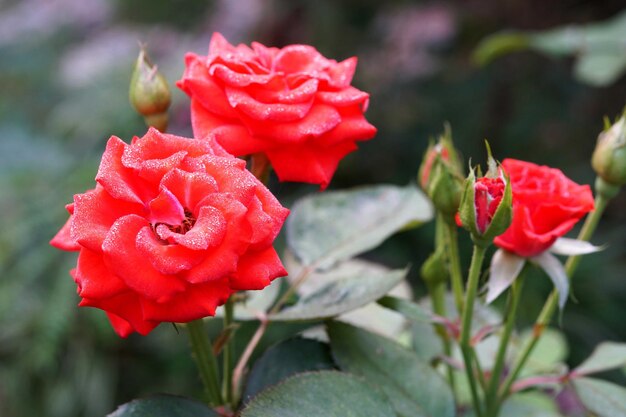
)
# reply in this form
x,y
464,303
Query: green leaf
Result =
x,y
407,308
606,356
602,398
598,47
255,302
323,393
324,229
532,404
285,359
163,406
412,386
600,69
342,295
547,356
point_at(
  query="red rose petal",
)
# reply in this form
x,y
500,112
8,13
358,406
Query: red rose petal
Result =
x,y
93,277
165,208
189,187
94,214
167,259
304,92
63,239
311,164
238,79
278,112
127,307
235,138
210,95
318,121
126,261
200,302
121,326
346,97
208,231
353,127
300,59
119,180
342,73
256,270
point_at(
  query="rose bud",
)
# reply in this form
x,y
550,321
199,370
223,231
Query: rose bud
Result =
x,y
609,157
435,269
149,93
440,175
486,204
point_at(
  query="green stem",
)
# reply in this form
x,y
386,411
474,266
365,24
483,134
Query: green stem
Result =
x,y
437,294
456,278
494,383
205,360
591,222
466,320
227,384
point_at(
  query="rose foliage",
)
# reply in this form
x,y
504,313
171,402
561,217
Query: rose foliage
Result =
x,y
292,105
173,227
546,205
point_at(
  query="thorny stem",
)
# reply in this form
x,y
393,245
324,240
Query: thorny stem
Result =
x,y
466,320
451,239
492,389
247,353
264,322
591,222
228,355
437,292
205,360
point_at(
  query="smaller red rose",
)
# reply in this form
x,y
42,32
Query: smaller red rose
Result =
x,y
172,229
546,205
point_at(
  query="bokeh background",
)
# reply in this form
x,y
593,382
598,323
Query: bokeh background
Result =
x,y
64,72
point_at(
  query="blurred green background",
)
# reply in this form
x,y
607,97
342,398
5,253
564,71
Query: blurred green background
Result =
x,y
64,72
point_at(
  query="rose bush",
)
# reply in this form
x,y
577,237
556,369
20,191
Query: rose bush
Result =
x,y
173,227
292,105
546,205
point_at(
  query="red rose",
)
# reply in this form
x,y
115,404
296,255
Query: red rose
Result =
x,y
291,104
546,205
172,229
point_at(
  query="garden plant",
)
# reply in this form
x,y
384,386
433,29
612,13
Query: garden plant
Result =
x,y
183,231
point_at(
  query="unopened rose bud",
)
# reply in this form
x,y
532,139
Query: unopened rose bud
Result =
x,y
486,205
435,269
609,157
440,175
149,92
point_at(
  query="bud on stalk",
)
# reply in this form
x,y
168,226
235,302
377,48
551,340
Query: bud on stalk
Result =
x,y
149,93
440,175
486,204
609,157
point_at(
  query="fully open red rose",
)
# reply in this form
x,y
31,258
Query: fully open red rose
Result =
x,y
291,104
172,229
546,205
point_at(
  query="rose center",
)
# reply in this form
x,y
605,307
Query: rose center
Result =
x,y
188,222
